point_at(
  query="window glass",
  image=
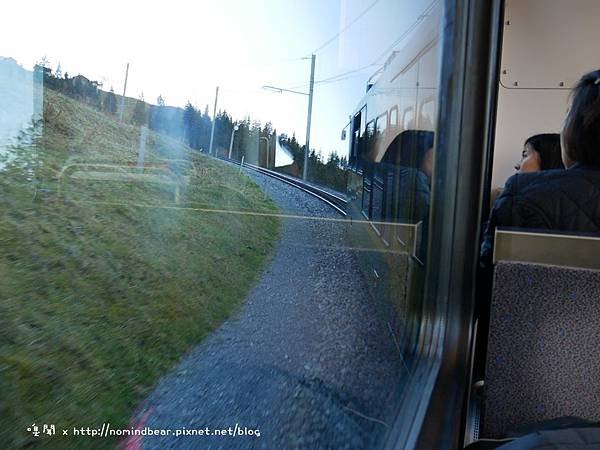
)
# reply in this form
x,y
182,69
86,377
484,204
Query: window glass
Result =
x,y
394,117
207,222
381,123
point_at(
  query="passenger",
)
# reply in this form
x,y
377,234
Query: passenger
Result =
x,y
560,200
540,152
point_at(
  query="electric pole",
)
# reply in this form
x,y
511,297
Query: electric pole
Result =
x,y
310,100
214,120
124,90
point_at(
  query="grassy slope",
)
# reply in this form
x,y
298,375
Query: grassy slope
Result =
x,y
102,288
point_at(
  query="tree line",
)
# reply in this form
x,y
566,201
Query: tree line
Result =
x,y
193,127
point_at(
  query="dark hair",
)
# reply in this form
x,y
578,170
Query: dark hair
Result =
x,y
548,147
581,131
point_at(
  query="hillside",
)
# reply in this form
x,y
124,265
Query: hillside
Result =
x,y
110,274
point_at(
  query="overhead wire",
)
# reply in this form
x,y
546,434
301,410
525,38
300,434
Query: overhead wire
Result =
x,y
334,78
339,33
404,34
348,74
344,75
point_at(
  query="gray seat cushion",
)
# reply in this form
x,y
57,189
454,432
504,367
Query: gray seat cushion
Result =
x,y
544,346
567,439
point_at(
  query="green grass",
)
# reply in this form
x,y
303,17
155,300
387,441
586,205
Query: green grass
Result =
x,y
104,285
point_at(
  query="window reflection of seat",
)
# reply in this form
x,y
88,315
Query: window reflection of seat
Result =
x,y
161,173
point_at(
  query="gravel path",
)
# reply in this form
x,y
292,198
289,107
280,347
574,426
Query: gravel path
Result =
x,y
308,360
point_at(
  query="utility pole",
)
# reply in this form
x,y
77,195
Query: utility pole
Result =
x,y
235,128
268,141
212,129
310,100
123,98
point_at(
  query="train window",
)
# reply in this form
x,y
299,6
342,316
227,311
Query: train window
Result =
x,y
427,113
394,117
408,118
396,189
370,128
190,245
363,120
381,123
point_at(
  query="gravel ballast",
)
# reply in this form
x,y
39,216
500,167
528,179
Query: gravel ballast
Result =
x,y
308,360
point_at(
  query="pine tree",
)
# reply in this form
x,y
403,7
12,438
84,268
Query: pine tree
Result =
x,y
139,112
189,116
43,62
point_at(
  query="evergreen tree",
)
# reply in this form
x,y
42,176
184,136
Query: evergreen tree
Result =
x,y
139,112
267,130
204,126
158,117
189,121
223,129
43,62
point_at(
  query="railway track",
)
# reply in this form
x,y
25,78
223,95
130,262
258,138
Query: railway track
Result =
x,y
335,201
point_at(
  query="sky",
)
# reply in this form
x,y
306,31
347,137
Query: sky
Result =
x,y
183,49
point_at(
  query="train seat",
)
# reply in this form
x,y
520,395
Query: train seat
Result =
x,y
543,357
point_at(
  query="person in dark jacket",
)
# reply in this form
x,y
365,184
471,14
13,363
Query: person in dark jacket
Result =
x,y
540,152
558,200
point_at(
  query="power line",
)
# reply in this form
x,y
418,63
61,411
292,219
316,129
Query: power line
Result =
x,y
344,75
400,38
338,77
339,33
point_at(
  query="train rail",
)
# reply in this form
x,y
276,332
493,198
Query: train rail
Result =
x,y
335,201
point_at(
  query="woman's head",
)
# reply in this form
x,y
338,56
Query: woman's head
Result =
x,y
581,130
541,152
417,151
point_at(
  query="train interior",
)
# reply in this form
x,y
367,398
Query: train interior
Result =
x,y
536,359
533,334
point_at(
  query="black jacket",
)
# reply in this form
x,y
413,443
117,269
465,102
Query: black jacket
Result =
x,y
558,200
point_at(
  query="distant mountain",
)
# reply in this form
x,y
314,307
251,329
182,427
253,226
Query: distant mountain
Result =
x,y
20,100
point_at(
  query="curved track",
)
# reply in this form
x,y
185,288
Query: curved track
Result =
x,y
335,201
